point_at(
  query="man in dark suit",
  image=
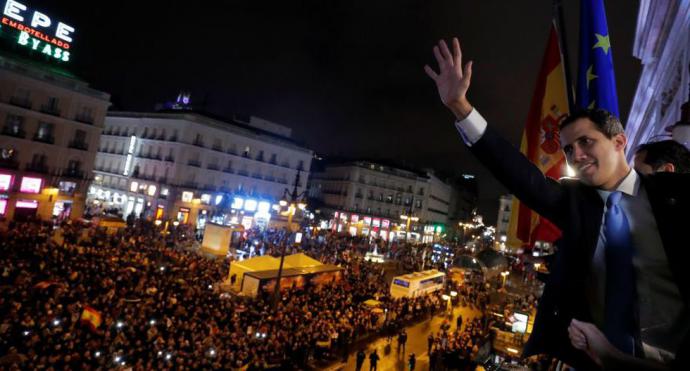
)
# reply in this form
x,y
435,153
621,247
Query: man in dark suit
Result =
x,y
617,297
662,156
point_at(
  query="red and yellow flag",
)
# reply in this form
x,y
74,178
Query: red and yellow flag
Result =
x,y
541,145
91,317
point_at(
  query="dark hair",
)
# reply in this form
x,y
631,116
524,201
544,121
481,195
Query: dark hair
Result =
x,y
666,151
603,120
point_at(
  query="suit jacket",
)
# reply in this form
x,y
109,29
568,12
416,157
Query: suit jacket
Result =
x,y
577,210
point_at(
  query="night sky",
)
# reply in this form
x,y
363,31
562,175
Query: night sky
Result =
x,y
347,76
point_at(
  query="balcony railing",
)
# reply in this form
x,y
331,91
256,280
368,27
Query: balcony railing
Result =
x,y
51,110
37,168
79,144
229,170
194,163
169,158
9,164
21,102
213,167
73,173
44,139
191,184
13,132
85,119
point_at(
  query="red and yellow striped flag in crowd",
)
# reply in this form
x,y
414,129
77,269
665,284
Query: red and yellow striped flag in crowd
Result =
x,y
541,145
91,317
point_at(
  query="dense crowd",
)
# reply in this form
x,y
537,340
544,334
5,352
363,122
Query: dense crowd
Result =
x,y
160,308
456,349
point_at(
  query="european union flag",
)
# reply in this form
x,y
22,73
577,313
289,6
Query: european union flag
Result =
x,y
596,83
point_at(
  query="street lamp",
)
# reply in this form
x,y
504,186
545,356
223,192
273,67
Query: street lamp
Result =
x,y
409,219
290,202
504,274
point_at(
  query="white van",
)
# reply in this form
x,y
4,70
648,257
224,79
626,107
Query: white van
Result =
x,y
417,283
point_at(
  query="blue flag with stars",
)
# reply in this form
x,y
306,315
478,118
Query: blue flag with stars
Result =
x,y
596,83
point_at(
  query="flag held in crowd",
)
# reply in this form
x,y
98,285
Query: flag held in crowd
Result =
x,y
91,317
541,143
46,284
596,82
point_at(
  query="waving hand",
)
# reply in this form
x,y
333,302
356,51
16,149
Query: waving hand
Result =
x,y
452,80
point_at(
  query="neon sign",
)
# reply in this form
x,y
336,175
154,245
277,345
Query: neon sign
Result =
x,y
38,31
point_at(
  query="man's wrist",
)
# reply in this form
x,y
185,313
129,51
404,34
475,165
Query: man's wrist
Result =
x,y
461,109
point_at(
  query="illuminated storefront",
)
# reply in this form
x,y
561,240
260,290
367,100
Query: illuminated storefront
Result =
x,y
362,225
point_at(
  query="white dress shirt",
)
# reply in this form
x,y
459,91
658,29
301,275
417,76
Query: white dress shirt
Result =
x,y
663,317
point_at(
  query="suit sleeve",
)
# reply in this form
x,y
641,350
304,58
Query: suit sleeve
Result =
x,y
539,192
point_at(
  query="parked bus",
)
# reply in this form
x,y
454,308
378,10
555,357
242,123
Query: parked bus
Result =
x,y
417,283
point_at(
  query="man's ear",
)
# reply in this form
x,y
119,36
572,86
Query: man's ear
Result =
x,y
620,141
666,167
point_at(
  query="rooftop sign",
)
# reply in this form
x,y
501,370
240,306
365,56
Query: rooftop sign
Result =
x,y
37,31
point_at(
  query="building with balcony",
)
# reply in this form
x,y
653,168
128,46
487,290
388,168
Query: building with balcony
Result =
x,y
192,167
390,202
51,123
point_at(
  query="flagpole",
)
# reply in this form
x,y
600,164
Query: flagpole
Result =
x,y
562,41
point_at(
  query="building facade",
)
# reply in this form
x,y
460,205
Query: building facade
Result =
x,y
368,198
51,123
662,44
189,167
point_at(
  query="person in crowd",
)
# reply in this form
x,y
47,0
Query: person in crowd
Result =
x,y
662,156
360,359
373,360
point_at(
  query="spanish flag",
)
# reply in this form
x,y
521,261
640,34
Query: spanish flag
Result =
x,y
541,144
91,317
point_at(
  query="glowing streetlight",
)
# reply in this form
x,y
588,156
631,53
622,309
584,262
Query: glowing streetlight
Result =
x,y
504,274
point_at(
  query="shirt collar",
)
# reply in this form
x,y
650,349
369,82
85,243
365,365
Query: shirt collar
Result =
x,y
629,186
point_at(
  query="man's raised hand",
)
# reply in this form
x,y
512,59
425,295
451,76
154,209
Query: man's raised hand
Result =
x,y
452,80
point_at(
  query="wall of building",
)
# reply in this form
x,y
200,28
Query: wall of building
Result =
x,y
187,152
51,126
363,189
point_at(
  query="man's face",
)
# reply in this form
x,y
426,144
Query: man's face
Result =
x,y
597,160
640,165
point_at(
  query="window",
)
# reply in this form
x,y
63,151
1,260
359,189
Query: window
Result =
x,y
419,203
80,136
53,102
30,185
14,125
300,165
38,161
199,140
5,182
246,151
22,98
73,166
274,159
67,187
260,156
85,115
45,132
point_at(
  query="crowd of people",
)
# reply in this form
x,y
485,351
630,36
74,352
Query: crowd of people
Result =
x,y
160,307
